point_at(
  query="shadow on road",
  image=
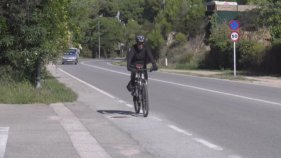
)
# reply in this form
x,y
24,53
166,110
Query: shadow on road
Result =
x,y
117,113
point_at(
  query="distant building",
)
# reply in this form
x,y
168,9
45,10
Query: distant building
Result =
x,y
226,11
222,6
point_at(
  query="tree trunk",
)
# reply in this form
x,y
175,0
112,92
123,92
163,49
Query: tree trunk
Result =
x,y
38,74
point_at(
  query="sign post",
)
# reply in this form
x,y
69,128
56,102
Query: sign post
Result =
x,y
234,25
234,37
234,58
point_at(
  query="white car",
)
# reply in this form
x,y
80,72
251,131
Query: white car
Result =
x,y
70,56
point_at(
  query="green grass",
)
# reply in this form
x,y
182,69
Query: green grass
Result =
x,y
24,92
120,63
221,74
227,74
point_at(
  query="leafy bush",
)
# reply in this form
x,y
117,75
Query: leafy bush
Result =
x,y
156,41
180,38
272,59
86,52
5,72
183,56
251,54
221,52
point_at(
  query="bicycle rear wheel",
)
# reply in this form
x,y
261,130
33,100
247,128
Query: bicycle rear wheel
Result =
x,y
136,104
145,102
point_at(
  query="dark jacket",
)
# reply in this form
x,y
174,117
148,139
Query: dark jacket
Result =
x,y
136,56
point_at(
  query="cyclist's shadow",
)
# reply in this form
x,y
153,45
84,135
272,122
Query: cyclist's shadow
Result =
x,y
118,113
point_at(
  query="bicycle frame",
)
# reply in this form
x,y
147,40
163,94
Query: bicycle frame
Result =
x,y
141,95
140,77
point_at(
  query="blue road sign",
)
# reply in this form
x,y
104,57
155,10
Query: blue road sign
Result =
x,y
234,25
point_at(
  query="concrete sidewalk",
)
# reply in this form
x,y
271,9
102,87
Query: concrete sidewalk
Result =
x,y
69,130
34,131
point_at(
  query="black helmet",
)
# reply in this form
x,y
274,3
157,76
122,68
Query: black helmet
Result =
x,y
140,39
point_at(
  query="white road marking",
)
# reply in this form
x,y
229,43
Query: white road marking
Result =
x,y
95,88
194,87
4,132
234,156
218,79
179,130
156,118
219,92
202,141
84,143
208,144
101,68
121,101
130,105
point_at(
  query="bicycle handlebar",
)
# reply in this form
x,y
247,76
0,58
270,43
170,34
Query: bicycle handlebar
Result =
x,y
138,70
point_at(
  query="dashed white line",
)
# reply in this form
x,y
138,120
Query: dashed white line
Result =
x,y
202,141
180,130
4,132
208,144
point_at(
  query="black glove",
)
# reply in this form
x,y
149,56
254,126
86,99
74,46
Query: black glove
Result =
x,y
130,68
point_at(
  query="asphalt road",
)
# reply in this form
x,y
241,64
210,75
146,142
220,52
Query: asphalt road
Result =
x,y
240,118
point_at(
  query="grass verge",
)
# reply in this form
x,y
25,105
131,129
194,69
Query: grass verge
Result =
x,y
23,92
185,69
120,63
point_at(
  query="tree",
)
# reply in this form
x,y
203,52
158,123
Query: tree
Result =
x,y
270,17
81,12
108,8
186,16
156,41
131,29
34,33
111,34
151,9
131,9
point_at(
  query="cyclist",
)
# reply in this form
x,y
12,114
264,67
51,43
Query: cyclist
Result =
x,y
140,53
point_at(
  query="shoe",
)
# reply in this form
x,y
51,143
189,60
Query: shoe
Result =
x,y
130,87
133,93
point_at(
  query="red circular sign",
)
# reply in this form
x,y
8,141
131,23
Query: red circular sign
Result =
x,y
234,36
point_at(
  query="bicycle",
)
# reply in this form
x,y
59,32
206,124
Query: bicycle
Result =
x,y
140,96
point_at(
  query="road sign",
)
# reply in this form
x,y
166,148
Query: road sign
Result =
x,y
234,36
234,25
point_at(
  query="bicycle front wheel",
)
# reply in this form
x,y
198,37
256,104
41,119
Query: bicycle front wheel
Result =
x,y
136,104
145,102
